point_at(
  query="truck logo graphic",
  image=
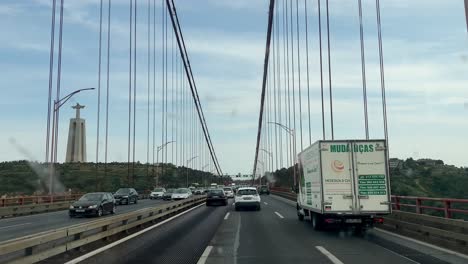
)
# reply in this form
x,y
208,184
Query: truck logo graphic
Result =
x,y
337,166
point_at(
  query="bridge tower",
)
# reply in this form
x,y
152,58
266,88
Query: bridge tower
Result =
x,y
76,146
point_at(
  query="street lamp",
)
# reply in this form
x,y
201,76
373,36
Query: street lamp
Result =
x,y
53,144
292,133
159,148
186,168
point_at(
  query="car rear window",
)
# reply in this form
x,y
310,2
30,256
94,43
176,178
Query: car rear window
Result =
x,y
227,189
216,192
247,192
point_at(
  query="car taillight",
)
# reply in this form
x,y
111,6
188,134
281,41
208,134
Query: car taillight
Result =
x,y
378,220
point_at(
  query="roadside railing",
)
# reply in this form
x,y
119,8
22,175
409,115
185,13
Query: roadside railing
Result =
x,y
39,199
426,205
37,247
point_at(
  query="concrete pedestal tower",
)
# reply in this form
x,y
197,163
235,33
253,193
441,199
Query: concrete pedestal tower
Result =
x,y
76,146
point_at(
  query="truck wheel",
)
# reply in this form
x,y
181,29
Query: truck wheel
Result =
x,y
316,221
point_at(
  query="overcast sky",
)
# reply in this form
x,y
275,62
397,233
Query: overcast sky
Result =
x,y
426,66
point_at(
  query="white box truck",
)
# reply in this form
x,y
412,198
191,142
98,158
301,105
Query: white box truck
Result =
x,y
344,183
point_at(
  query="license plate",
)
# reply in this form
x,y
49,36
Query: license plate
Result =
x,y
215,196
80,211
247,198
353,221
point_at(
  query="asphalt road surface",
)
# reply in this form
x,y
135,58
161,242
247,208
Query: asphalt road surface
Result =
x,y
272,235
27,225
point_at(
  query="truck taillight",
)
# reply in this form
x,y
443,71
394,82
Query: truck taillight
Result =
x,y
378,220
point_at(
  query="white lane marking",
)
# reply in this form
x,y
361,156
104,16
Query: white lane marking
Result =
x,y
329,255
226,216
5,227
279,215
450,252
237,238
401,256
205,255
265,203
99,250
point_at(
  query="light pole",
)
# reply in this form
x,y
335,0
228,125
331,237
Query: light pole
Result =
x,y
159,148
292,133
54,139
188,162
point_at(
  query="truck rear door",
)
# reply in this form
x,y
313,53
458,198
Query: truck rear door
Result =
x,y
336,164
370,176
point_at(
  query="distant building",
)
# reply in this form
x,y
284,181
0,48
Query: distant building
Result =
x,y
429,162
76,146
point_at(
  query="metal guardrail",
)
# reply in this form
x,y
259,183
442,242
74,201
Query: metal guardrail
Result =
x,y
37,247
39,199
420,205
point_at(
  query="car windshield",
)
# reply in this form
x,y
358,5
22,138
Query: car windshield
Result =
x,y
182,190
264,187
228,189
247,192
92,197
158,190
123,191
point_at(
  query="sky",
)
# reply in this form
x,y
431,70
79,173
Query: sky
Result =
x,y
425,47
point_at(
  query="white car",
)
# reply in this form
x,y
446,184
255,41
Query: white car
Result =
x,y
247,197
181,193
228,192
157,193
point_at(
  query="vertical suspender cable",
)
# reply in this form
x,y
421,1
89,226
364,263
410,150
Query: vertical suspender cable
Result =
x,y
321,68
307,63
130,92
163,80
275,89
166,87
51,73
59,78
134,87
286,61
98,97
293,78
280,112
363,70
107,87
154,85
299,73
149,89
382,74
330,73
172,97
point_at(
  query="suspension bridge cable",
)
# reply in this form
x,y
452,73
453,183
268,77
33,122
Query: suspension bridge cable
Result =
x,y
321,68
154,85
330,73
149,89
288,84
172,96
163,79
307,69
265,72
299,73
191,81
274,44
51,76
59,77
363,70
130,91
134,88
382,74
293,76
107,87
280,112
99,96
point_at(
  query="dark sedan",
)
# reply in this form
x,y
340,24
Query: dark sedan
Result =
x,y
167,196
264,190
93,204
216,196
126,196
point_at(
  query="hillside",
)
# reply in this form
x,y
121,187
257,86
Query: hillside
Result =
x,y
22,177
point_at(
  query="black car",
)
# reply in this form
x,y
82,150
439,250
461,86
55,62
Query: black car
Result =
x,y
126,196
263,190
93,204
216,196
167,196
